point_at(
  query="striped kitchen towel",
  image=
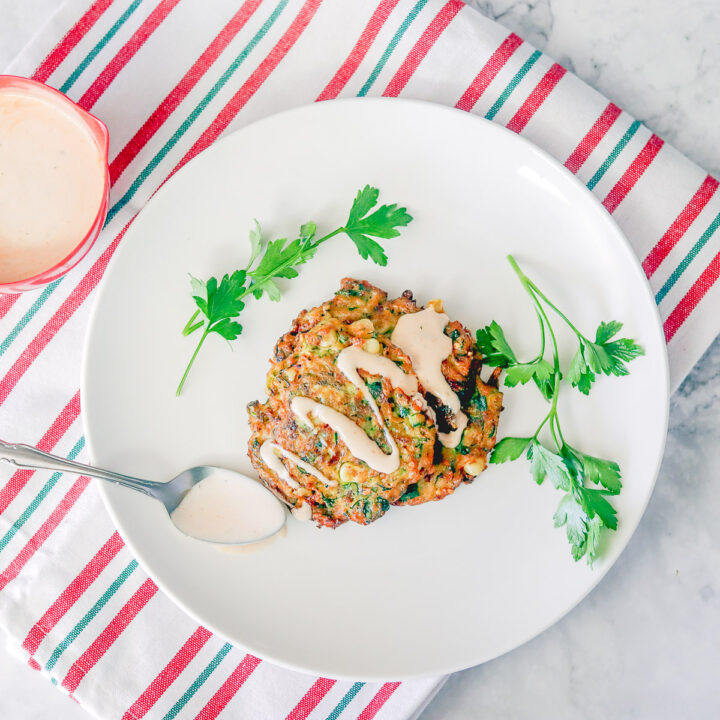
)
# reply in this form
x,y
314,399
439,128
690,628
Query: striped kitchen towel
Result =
x,y
169,77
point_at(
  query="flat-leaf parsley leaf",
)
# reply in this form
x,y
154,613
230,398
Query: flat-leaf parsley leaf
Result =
x,y
220,302
583,511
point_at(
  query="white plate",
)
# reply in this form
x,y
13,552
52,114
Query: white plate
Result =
x,y
427,589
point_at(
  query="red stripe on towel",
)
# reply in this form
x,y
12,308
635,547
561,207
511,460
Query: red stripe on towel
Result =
x,y
692,298
593,137
71,40
359,51
72,593
126,53
381,697
71,303
47,442
311,699
422,47
104,641
168,675
182,89
6,302
228,689
536,98
489,71
680,225
43,532
254,82
638,166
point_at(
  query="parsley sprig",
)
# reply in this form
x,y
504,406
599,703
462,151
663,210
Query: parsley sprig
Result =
x,y
587,482
220,302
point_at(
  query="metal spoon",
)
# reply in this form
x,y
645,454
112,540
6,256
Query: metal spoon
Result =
x,y
170,494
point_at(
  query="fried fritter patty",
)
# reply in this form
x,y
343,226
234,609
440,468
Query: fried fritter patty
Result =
x,y
304,364
466,461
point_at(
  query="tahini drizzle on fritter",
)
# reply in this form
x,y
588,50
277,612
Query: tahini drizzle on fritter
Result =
x,y
372,402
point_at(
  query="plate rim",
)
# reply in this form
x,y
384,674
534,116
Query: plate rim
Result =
x,y
603,216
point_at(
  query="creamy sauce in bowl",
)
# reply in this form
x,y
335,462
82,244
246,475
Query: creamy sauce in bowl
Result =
x,y
52,182
229,508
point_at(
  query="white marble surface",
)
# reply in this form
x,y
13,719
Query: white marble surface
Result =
x,y
657,59
646,642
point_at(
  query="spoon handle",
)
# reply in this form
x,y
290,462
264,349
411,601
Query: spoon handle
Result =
x,y
24,456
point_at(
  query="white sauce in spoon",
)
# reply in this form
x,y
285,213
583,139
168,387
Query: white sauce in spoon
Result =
x,y
421,336
226,507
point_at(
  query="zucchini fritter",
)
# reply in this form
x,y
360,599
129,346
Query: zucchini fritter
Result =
x,y
304,364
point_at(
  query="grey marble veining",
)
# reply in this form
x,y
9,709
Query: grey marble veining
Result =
x,y
657,59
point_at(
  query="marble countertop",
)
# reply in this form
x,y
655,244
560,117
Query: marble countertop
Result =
x,y
644,644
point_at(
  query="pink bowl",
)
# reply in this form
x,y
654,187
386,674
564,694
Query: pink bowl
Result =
x,y
100,134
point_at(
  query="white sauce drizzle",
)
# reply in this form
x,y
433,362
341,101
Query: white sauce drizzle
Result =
x,y
358,442
422,338
349,361
354,358
270,453
452,439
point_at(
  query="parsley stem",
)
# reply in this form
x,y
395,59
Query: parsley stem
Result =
x,y
555,308
251,288
327,237
187,329
536,295
529,284
290,262
541,354
192,360
559,431
545,320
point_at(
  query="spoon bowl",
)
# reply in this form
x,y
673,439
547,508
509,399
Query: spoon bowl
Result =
x,y
218,500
